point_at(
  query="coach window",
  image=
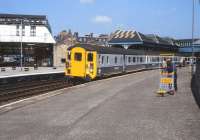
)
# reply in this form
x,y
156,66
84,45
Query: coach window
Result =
x,y
141,59
115,59
102,59
129,59
78,56
107,59
90,57
133,59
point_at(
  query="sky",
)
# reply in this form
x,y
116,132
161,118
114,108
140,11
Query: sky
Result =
x,y
172,18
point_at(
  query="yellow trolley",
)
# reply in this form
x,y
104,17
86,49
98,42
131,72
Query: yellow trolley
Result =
x,y
167,81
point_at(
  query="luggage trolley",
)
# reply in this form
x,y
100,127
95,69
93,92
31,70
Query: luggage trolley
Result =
x,y
167,82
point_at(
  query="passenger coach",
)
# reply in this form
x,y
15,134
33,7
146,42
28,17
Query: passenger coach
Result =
x,y
89,61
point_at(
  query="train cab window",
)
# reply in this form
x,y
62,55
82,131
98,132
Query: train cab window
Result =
x,y
78,56
115,59
90,57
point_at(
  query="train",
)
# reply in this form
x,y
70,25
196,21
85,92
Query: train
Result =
x,y
88,61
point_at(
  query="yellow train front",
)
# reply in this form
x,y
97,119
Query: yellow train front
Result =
x,y
81,62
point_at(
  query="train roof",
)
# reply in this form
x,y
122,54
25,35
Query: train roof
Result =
x,y
104,50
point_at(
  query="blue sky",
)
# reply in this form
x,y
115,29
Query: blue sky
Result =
x,y
163,17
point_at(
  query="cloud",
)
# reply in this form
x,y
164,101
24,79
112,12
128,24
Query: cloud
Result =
x,y
87,1
102,19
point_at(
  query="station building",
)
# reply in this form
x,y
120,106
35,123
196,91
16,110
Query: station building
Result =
x,y
32,33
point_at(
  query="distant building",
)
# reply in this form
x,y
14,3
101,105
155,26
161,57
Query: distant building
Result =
x,y
185,42
33,32
101,40
66,39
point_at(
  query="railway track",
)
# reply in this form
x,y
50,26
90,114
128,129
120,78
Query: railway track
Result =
x,y
9,93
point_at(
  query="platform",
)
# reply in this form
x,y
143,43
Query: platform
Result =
x,y
10,73
119,108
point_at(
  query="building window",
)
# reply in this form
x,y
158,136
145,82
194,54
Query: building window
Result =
x,y
69,56
17,30
33,31
23,30
63,60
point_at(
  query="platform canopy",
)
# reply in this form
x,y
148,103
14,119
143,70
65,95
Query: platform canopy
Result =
x,y
190,49
134,38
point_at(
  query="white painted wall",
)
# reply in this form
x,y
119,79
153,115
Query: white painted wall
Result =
x,y
8,34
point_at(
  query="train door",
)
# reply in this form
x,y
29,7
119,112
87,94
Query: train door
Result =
x,y
78,57
91,65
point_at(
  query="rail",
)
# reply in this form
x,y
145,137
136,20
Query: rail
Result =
x,y
8,93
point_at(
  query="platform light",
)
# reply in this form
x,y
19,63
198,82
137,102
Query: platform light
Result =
x,y
21,49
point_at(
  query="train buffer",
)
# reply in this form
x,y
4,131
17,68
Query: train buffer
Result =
x,y
123,108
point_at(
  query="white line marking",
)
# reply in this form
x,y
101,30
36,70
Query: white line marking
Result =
x,y
30,74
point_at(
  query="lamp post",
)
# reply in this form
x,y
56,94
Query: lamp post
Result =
x,y
193,20
21,48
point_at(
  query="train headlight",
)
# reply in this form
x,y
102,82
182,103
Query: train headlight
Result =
x,y
67,64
